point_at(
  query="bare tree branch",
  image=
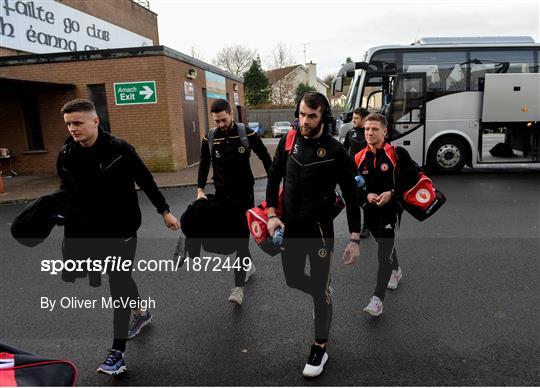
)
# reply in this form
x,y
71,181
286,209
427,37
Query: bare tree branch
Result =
x,y
329,78
283,90
195,53
235,59
281,57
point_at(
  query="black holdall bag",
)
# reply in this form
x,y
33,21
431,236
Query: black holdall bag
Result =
x,y
36,221
208,222
19,368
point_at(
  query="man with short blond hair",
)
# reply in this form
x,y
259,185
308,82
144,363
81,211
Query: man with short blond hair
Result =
x,y
386,171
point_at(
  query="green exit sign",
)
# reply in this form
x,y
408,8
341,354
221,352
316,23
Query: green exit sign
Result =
x,y
131,93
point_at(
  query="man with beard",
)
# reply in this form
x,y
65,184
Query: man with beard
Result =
x,y
233,180
316,164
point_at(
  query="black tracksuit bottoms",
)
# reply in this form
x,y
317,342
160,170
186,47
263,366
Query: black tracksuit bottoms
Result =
x,y
121,283
384,228
237,204
315,240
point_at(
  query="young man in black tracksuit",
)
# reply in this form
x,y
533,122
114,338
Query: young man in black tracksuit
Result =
x,y
386,174
233,180
354,142
98,173
316,164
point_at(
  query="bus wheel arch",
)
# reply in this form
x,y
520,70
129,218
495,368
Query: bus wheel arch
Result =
x,y
448,154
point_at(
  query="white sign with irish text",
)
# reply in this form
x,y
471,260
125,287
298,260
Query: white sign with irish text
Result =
x,y
46,26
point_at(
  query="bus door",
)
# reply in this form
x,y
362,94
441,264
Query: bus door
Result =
x,y
406,114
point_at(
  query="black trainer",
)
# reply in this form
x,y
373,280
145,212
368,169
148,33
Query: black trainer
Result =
x,y
316,360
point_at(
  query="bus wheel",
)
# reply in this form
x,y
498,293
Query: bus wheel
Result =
x,y
447,155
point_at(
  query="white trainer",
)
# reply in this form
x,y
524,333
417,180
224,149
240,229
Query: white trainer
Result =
x,y
394,279
375,307
316,360
251,271
237,295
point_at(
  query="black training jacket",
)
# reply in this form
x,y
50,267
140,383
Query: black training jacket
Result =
x,y
380,175
354,141
100,181
230,161
311,173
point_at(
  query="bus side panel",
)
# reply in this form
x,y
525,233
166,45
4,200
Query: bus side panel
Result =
x,y
512,98
413,143
456,106
455,114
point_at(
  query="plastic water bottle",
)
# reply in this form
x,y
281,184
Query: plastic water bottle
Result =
x,y
278,237
360,182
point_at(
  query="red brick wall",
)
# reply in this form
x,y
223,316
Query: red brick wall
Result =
x,y
155,130
12,127
6,52
146,127
175,73
52,125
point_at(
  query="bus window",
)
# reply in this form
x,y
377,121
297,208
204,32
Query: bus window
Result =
x,y
482,62
432,74
442,68
456,80
408,104
383,61
353,95
372,95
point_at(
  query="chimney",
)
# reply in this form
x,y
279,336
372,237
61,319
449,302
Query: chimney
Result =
x,y
312,74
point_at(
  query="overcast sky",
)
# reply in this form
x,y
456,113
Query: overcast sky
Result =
x,y
333,30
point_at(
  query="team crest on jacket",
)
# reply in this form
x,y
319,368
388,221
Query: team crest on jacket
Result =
x,y
322,252
241,149
321,152
384,167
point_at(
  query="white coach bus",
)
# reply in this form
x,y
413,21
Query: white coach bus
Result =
x,y
453,101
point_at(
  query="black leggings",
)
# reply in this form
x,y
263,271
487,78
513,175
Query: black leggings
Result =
x,y
237,204
122,285
385,229
316,241
241,253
